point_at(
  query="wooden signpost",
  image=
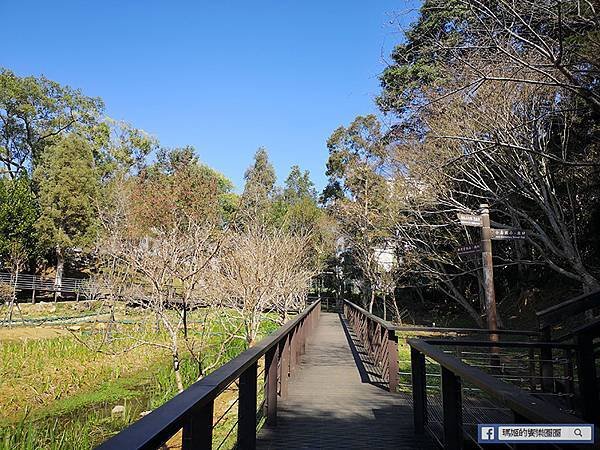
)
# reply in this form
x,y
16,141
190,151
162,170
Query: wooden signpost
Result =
x,y
485,248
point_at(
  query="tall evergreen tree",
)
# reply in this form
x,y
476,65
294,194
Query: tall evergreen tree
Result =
x,y
298,186
68,185
260,186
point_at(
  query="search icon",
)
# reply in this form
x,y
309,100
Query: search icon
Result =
x,y
577,432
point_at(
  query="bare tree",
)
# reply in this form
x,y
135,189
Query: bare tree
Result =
x,y
167,268
513,147
261,270
505,114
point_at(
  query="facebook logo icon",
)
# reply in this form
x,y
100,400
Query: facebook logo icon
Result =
x,y
486,434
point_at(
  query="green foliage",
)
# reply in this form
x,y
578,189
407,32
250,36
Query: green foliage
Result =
x,y
417,61
298,186
260,186
495,102
34,113
229,203
68,185
356,163
450,32
90,384
119,148
18,214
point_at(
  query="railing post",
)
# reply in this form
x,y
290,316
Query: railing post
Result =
x,y
303,332
293,350
285,367
197,429
271,362
392,355
452,407
419,388
247,409
588,385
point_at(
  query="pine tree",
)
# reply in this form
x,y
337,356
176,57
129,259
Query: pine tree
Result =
x,y
68,184
260,186
299,186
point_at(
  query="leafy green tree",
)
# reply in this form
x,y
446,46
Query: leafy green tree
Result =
x,y
546,43
416,62
34,113
18,214
120,149
357,163
259,188
295,207
68,185
358,196
298,186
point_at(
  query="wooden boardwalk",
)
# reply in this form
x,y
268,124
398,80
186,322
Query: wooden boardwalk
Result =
x,y
334,401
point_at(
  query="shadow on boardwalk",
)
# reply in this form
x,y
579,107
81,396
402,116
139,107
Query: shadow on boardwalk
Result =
x,y
336,400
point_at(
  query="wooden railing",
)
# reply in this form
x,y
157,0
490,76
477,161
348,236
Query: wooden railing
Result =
x,y
379,339
553,325
328,304
555,315
192,411
509,374
36,283
525,407
587,343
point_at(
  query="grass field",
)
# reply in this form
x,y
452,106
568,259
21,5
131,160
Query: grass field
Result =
x,y
59,384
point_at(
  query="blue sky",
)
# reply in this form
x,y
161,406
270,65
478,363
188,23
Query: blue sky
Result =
x,y
225,77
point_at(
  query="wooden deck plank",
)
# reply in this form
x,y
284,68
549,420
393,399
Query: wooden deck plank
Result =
x,y
334,401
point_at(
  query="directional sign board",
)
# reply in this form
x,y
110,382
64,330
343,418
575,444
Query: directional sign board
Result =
x,y
503,234
469,251
469,220
471,248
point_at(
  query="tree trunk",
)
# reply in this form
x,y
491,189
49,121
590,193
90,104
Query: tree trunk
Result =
x,y
251,332
60,265
590,283
372,301
111,322
184,319
396,309
384,307
176,368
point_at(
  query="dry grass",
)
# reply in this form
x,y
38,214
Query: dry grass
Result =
x,y
29,333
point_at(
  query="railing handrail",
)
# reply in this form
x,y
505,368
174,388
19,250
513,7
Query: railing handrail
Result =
x,y
526,405
384,323
153,430
500,344
556,313
468,330
391,326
